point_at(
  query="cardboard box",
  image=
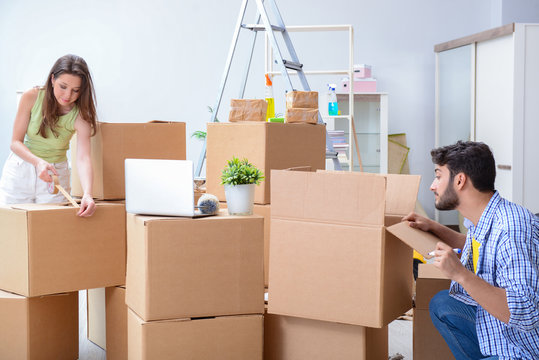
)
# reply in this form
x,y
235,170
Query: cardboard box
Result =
x,y
115,142
247,110
96,323
360,85
48,249
297,115
331,258
266,145
362,71
427,339
220,338
116,323
45,327
287,337
182,267
302,99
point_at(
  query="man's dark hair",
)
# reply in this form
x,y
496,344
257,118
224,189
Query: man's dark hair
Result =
x,y
471,158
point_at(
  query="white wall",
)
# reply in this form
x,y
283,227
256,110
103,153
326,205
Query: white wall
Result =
x,y
163,59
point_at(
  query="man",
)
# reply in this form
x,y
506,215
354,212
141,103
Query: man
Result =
x,y
492,307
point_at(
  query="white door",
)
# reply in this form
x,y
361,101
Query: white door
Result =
x,y
494,106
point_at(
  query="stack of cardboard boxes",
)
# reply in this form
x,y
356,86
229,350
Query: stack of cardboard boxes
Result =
x,y
112,144
195,287
47,254
268,146
334,265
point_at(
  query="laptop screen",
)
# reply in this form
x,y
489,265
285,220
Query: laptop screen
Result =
x,y
159,187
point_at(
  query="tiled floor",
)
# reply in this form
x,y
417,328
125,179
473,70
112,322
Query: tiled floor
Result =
x,y
400,337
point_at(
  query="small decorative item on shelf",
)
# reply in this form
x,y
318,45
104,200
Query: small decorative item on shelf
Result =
x,y
240,178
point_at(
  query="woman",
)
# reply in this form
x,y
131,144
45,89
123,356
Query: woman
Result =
x,y
46,120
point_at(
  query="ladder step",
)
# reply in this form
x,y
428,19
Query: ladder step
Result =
x,y
292,65
261,27
331,155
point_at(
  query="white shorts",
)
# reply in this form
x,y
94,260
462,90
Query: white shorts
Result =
x,y
21,185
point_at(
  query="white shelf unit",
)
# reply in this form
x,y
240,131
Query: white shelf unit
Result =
x,y
370,119
349,72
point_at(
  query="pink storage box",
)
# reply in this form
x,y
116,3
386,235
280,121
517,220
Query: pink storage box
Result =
x,y
361,85
362,71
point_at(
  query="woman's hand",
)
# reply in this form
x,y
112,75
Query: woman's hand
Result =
x,y
42,170
87,206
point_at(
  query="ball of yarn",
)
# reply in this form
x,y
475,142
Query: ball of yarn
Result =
x,y
208,204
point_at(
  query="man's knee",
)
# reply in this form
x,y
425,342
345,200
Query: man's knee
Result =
x,y
438,302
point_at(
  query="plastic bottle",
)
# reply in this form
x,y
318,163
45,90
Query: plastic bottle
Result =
x,y
270,113
333,107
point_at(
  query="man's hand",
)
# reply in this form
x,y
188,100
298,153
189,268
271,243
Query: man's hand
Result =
x,y
87,206
42,170
418,222
446,260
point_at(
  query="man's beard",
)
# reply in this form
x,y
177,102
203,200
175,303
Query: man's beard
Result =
x,y
449,200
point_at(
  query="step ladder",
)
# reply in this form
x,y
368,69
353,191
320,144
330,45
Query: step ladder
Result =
x,y
263,23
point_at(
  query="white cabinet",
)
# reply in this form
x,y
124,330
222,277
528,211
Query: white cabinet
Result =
x,y
370,122
504,104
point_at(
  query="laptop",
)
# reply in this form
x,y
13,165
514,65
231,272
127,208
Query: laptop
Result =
x,y
160,187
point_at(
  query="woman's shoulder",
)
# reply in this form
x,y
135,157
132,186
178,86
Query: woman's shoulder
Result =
x,y
29,97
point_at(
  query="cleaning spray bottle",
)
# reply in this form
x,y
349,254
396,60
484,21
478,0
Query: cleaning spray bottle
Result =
x,y
333,106
269,98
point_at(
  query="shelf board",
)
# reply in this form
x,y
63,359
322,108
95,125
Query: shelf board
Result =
x,y
336,117
313,72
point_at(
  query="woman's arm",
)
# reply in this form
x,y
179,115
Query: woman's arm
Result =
x,y
84,165
22,119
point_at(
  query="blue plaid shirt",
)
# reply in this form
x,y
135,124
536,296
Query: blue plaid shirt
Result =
x,y
509,259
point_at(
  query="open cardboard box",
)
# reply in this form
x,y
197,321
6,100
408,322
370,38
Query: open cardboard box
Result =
x,y
331,257
48,249
182,267
44,327
114,142
226,338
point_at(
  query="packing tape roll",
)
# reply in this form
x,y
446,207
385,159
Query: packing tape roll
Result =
x,y
53,185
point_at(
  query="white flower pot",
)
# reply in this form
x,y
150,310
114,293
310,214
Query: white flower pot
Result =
x,y
240,199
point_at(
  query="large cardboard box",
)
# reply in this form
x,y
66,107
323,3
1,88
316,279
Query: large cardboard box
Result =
x,y
331,258
427,339
220,338
265,212
183,267
116,313
266,145
96,323
48,249
115,142
287,337
45,327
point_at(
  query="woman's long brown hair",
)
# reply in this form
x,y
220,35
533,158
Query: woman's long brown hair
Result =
x,y
73,65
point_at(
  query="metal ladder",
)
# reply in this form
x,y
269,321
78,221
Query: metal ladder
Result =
x,y
284,65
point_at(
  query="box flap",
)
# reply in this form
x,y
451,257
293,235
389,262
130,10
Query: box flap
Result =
x,y
34,207
401,193
421,241
429,271
337,197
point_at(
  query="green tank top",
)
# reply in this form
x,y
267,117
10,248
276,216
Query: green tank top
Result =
x,y
51,149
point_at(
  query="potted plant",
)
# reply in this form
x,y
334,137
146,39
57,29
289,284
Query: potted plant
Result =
x,y
240,178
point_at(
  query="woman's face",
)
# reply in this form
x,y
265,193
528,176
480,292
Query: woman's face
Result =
x,y
66,89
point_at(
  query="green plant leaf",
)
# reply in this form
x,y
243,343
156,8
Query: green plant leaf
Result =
x,y
241,172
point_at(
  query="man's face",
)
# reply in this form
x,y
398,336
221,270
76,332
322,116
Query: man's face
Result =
x,y
444,193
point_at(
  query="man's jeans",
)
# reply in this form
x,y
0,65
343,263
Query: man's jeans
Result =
x,y
456,323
